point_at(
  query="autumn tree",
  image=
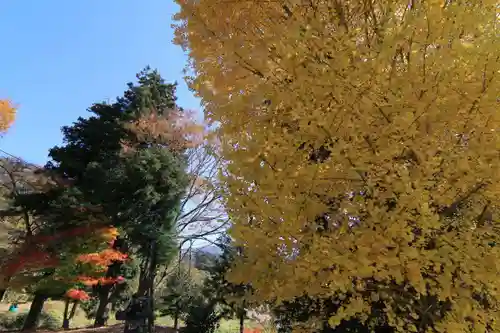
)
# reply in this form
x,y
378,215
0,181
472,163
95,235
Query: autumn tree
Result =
x,y
121,177
73,297
18,179
360,143
89,274
7,115
48,265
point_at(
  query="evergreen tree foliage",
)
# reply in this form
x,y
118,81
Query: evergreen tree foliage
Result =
x,y
232,296
181,289
102,183
203,315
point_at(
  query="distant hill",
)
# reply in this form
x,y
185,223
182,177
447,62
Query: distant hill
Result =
x,y
211,249
204,257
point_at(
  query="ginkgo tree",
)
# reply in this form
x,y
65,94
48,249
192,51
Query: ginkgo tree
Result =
x,y
361,137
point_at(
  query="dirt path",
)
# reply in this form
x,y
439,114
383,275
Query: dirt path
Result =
x,y
118,328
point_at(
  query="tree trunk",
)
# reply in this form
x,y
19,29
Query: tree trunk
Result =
x,y
73,310
5,282
31,321
242,321
103,291
177,305
65,324
152,274
100,315
2,294
68,315
148,273
146,282
176,318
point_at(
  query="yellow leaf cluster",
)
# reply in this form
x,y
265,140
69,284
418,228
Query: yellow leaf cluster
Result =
x,y
362,140
7,115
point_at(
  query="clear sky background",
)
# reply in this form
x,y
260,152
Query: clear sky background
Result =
x,y
57,57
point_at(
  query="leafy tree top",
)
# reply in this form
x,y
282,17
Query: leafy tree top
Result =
x,y
99,138
116,174
361,143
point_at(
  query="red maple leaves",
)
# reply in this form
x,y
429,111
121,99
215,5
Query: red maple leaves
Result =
x,y
103,281
33,255
30,259
77,295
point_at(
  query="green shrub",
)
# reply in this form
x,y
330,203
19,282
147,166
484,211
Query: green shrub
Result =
x,y
11,321
51,320
202,316
48,320
13,296
90,307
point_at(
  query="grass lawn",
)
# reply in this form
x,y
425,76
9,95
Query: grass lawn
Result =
x,y
56,309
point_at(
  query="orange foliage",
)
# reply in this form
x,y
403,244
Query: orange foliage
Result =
x,y
7,115
91,281
77,294
103,258
109,233
100,261
33,256
252,330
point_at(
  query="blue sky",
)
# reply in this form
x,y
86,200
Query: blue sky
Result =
x,y
58,57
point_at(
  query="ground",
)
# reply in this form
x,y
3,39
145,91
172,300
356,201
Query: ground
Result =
x,y
81,324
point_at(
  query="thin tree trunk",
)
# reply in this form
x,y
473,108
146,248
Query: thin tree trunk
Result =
x,y
2,294
144,279
152,274
68,315
242,321
73,310
33,316
3,291
177,305
146,282
65,324
176,318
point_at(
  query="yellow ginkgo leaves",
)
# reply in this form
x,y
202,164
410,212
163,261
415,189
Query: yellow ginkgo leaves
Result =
x,y
365,132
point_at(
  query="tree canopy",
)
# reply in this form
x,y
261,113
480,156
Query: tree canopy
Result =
x,y
360,140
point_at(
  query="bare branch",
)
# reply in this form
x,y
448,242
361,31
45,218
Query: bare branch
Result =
x,y
201,207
